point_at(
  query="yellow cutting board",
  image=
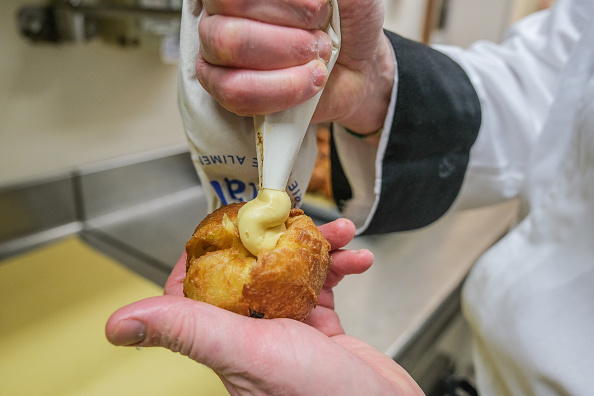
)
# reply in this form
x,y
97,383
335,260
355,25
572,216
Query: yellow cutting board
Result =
x,y
54,302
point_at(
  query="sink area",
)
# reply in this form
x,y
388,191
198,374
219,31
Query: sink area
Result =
x,y
141,210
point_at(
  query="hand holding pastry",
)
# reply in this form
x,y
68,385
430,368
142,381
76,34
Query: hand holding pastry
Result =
x,y
282,278
268,357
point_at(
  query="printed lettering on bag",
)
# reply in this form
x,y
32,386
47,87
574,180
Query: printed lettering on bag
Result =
x,y
234,190
294,192
225,159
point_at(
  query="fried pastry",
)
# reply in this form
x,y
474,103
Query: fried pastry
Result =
x,y
283,282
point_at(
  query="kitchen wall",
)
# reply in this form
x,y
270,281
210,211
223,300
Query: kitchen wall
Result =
x,y
466,20
67,105
471,20
405,17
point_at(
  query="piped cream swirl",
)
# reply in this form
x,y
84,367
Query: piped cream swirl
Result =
x,y
261,221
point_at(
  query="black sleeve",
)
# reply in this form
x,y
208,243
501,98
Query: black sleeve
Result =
x,y
436,121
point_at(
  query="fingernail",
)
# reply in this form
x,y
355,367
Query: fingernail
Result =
x,y
366,252
324,48
128,332
320,75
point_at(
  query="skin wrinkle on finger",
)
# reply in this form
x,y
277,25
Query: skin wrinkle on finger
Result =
x,y
326,298
219,38
241,43
258,92
332,280
178,335
303,14
347,262
339,233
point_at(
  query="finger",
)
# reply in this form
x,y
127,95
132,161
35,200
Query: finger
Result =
x,y
326,298
304,14
325,320
205,333
348,262
244,43
247,353
248,92
175,282
338,232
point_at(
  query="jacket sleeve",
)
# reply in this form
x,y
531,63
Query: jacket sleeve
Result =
x,y
517,81
424,151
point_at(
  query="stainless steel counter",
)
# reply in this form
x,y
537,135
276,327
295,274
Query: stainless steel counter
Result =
x,y
416,277
141,211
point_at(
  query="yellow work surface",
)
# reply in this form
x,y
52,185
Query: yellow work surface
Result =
x,y
54,302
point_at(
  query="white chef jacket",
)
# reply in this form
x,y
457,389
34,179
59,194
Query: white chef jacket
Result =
x,y
530,299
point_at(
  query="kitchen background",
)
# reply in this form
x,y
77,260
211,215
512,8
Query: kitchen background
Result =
x,y
65,106
71,104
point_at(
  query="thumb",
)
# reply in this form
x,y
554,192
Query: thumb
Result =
x,y
204,333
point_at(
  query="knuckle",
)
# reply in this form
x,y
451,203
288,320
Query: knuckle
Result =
x,y
228,40
263,92
314,12
179,338
307,48
202,72
233,95
310,7
220,40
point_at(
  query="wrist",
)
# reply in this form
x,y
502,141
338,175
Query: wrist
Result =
x,y
372,137
369,116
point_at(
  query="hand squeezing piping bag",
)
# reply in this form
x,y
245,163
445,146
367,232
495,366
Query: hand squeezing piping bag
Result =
x,y
279,135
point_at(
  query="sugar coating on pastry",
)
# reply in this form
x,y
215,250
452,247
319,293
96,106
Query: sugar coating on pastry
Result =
x,y
283,282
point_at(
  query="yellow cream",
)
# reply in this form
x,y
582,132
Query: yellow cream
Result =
x,y
261,221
